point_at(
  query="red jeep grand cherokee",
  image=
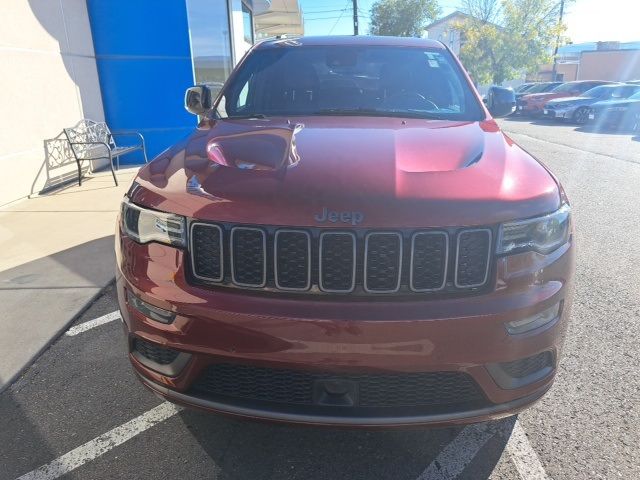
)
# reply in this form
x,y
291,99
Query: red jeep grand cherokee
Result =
x,y
346,238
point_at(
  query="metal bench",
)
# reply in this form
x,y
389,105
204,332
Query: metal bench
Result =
x,y
91,140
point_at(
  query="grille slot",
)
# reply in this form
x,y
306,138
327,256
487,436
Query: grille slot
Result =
x,y
248,257
429,259
415,389
472,257
382,262
337,262
156,353
292,259
206,247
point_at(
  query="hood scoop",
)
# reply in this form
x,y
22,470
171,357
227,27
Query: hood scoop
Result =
x,y
254,147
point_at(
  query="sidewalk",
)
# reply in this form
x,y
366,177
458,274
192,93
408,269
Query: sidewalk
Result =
x,y
56,256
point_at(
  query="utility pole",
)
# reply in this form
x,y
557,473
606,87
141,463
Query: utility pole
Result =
x,y
555,51
355,17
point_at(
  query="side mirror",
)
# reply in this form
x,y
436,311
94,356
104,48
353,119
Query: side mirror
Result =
x,y
198,99
500,101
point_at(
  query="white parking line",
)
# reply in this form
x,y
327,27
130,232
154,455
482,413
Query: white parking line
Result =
x,y
102,444
83,327
455,457
524,456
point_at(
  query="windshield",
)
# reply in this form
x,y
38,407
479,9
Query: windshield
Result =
x,y
359,80
601,92
524,87
635,96
538,88
566,87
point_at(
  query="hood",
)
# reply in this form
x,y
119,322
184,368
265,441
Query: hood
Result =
x,y
572,100
541,96
394,172
613,103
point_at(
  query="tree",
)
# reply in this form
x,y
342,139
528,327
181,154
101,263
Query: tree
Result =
x,y
402,18
503,38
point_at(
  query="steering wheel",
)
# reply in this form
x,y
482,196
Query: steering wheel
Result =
x,y
409,100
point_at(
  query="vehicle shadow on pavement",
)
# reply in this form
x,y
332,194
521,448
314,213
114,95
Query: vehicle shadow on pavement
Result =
x,y
257,450
603,129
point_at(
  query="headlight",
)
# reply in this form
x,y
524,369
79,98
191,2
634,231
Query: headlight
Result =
x,y
144,225
540,234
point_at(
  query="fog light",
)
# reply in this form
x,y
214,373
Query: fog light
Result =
x,y
535,321
154,313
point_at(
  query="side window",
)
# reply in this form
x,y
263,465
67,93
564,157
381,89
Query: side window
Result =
x,y
242,95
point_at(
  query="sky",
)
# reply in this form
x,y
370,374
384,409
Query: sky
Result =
x,y
587,20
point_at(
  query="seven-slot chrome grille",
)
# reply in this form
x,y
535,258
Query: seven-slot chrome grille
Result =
x,y
359,261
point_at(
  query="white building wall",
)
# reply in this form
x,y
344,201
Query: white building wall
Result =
x,y
240,45
49,81
447,34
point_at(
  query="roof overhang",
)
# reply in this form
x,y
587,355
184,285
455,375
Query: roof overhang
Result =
x,y
277,17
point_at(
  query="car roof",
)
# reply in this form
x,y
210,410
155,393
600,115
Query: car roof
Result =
x,y
348,40
602,82
612,85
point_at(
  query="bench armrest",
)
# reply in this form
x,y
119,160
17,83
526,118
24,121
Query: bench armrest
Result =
x,y
127,133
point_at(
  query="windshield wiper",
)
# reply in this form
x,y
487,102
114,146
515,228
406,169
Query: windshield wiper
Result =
x,y
246,116
349,111
377,113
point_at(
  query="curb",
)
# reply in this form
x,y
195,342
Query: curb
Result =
x,y
11,380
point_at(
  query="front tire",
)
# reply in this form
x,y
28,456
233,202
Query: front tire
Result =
x,y
581,115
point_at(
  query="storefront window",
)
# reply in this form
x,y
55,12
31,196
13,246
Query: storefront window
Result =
x,y
210,41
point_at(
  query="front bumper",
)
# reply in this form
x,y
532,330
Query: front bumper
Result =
x,y
344,337
529,109
565,113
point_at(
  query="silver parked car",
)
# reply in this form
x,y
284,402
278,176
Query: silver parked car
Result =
x,y
576,109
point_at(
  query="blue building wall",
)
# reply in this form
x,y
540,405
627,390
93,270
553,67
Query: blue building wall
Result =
x,y
144,65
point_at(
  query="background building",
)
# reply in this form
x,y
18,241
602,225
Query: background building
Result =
x,y
615,61
124,61
445,31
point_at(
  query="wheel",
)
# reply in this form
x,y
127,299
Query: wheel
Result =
x,y
581,115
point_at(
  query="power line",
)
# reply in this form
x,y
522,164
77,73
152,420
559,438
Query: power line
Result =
x,y
323,11
321,18
343,12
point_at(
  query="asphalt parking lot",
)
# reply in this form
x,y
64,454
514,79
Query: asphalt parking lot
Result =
x,y
79,411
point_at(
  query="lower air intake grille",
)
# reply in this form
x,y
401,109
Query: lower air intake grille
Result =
x,y
526,366
156,353
374,390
